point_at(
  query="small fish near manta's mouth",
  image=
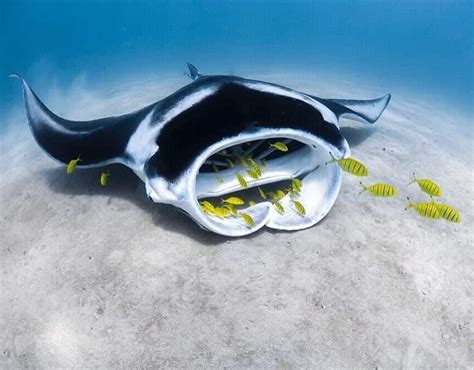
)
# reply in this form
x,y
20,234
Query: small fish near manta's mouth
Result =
x,y
249,168
176,147
272,199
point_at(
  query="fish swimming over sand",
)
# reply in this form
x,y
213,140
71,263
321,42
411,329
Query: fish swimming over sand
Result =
x,y
448,212
427,186
428,210
172,143
352,166
380,189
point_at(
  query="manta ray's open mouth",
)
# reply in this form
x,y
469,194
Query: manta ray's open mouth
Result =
x,y
277,181
254,163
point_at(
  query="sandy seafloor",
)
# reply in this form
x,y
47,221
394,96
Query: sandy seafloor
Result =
x,y
102,277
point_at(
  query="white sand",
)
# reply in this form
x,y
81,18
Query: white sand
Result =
x,y
95,276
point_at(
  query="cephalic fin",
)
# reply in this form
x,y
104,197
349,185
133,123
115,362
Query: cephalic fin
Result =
x,y
367,111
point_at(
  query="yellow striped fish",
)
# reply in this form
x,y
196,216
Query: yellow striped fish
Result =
x,y
247,218
256,167
299,208
353,167
428,210
234,201
71,166
273,195
207,207
279,207
243,159
222,212
279,146
280,194
104,178
380,189
448,213
252,203
262,193
241,180
296,185
254,174
231,208
428,186
230,163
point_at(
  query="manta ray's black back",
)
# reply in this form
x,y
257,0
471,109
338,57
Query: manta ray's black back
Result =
x,y
233,109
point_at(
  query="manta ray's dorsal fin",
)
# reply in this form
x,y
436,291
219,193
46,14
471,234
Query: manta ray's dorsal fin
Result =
x,y
193,72
367,111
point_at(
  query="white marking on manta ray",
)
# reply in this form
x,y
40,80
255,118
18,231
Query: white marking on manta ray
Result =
x,y
328,115
142,144
186,103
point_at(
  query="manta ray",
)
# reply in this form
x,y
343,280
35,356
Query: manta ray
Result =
x,y
179,145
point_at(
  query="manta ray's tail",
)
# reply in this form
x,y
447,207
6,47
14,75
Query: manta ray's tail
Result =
x,y
97,142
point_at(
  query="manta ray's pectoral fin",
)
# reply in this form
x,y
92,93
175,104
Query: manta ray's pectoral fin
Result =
x,y
367,111
193,72
96,142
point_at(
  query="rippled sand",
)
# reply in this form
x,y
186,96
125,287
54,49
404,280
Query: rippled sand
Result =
x,y
100,276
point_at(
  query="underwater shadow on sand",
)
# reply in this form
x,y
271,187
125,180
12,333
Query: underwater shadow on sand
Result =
x,y
356,136
126,185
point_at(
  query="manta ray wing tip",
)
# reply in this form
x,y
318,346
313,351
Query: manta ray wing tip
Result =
x,y
387,98
15,75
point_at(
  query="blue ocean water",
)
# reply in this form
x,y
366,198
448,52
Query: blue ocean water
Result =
x,y
423,45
